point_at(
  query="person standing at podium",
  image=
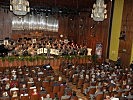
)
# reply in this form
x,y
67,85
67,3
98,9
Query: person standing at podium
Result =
x,y
48,49
131,65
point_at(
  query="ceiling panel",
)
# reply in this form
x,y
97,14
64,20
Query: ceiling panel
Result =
x,y
75,4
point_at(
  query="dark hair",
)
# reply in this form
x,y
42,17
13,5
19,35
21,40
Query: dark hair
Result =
x,y
74,93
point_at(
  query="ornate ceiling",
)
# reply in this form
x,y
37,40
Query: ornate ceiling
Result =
x,y
76,4
57,6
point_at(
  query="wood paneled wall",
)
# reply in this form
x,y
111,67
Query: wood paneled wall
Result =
x,y
5,23
127,26
85,31
79,28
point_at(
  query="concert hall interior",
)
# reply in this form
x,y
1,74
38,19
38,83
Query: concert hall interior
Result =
x,y
66,50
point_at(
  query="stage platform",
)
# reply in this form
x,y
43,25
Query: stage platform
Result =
x,y
41,60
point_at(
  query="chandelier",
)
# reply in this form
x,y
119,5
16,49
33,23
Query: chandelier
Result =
x,y
99,12
19,7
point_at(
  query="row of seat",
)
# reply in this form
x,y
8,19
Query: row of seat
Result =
x,y
33,83
100,81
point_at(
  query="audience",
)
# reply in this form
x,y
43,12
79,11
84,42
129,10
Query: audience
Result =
x,y
106,80
112,81
31,84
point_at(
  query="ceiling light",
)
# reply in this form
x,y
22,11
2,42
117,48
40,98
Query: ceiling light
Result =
x,y
99,12
19,7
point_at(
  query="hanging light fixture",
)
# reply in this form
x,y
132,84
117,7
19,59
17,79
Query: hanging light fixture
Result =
x,y
99,12
19,7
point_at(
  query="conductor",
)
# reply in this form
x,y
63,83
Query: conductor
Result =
x,y
48,50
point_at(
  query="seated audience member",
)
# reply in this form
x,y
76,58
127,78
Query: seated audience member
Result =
x,y
98,91
48,67
56,83
47,97
14,83
113,98
126,90
60,78
4,95
66,96
107,97
74,96
23,88
24,93
32,86
130,96
35,92
56,97
88,88
118,62
43,90
34,95
30,81
106,62
68,90
15,94
14,89
7,87
22,80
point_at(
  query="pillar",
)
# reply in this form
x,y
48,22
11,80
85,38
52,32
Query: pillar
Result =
x,y
116,28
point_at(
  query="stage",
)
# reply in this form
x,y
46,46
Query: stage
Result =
x,y
41,60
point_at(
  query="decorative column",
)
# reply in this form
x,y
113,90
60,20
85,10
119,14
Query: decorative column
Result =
x,y
116,28
131,52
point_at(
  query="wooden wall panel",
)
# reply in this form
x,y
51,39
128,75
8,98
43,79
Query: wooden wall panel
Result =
x,y
76,28
127,24
5,24
89,32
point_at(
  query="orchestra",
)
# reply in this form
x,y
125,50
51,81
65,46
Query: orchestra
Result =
x,y
32,47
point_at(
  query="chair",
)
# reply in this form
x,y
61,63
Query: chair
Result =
x,y
99,97
56,77
91,91
14,93
119,94
66,99
51,83
126,92
67,73
52,95
85,85
48,89
71,73
62,88
60,94
30,91
5,98
42,95
45,84
74,98
15,98
56,89
69,92
24,97
34,97
75,79
111,88
80,83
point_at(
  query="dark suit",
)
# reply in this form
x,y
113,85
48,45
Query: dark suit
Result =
x,y
131,66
